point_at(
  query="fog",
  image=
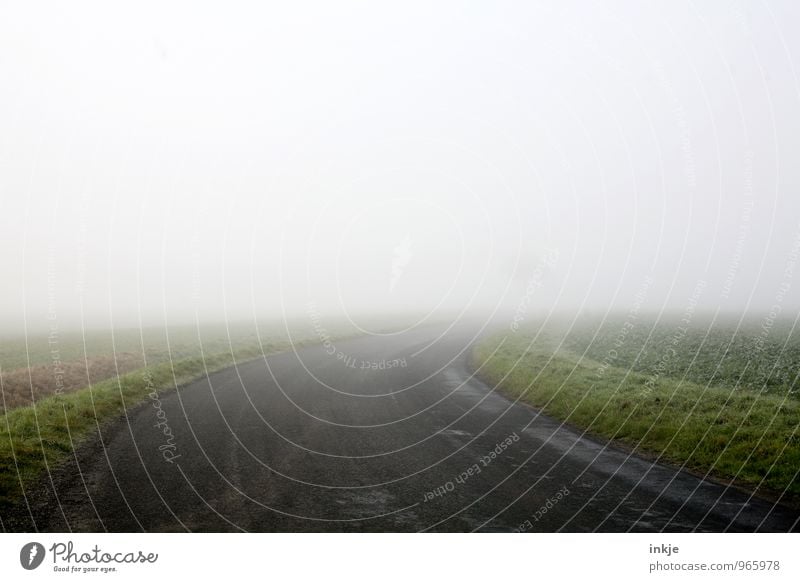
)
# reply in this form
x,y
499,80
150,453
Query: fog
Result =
x,y
170,162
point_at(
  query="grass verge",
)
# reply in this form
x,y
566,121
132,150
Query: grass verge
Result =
x,y
740,435
33,438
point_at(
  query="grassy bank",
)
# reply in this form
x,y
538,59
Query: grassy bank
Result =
x,y
655,405
35,437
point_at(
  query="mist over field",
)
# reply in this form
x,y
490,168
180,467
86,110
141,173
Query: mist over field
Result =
x,y
167,163
400,267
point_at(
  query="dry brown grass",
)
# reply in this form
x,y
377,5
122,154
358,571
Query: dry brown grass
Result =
x,y
24,386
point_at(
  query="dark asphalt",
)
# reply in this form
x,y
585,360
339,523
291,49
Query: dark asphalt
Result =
x,y
306,442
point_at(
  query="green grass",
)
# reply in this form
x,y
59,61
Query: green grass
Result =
x,y
752,354
35,437
745,431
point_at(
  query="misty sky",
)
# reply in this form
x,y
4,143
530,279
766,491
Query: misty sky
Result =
x,y
235,160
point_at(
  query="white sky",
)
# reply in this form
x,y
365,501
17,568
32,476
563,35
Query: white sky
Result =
x,y
238,160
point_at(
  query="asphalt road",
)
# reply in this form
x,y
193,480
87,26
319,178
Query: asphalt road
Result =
x,y
311,441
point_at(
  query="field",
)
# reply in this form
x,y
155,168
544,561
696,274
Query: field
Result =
x,y
47,364
719,399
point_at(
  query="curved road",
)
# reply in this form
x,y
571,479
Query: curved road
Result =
x,y
310,441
